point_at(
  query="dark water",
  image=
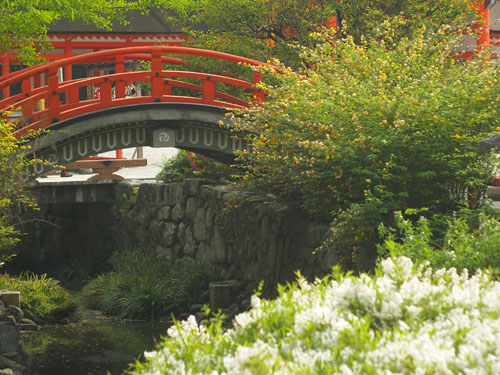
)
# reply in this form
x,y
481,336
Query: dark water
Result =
x,y
90,347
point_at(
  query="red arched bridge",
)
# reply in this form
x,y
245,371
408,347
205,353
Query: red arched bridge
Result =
x,y
88,116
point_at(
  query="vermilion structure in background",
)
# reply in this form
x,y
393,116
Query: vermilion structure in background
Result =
x,y
76,38
89,70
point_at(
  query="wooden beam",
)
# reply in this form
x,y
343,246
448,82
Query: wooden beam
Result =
x,y
106,168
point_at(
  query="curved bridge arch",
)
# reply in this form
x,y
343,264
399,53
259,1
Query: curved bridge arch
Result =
x,y
193,127
62,100
80,127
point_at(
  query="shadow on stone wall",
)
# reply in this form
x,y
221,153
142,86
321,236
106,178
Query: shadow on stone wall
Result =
x,y
253,237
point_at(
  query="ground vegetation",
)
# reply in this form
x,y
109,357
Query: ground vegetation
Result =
x,y
142,286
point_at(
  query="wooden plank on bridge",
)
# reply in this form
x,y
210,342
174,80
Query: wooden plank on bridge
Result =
x,y
106,168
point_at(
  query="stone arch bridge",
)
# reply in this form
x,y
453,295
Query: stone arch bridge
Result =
x,y
178,108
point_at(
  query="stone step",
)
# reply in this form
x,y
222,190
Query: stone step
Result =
x,y
493,193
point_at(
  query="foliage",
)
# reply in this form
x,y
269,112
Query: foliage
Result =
x,y
24,23
387,124
143,286
263,29
13,200
254,29
75,273
360,18
190,165
403,320
469,242
42,295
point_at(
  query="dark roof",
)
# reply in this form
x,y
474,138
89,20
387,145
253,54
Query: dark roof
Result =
x,y
151,23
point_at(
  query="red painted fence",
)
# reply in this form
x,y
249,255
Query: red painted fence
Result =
x,y
112,87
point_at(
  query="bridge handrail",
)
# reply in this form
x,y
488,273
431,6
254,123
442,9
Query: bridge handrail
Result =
x,y
41,93
60,108
114,54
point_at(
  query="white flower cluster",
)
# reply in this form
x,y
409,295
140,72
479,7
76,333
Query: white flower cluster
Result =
x,y
403,320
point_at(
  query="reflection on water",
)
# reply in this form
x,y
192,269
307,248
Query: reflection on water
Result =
x,y
90,348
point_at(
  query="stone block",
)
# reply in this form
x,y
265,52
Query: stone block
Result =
x,y
174,194
493,193
191,207
164,213
177,212
492,142
221,191
156,229
189,246
208,193
10,298
200,230
9,337
14,356
217,247
192,186
220,295
169,235
16,312
209,219
28,325
149,193
203,252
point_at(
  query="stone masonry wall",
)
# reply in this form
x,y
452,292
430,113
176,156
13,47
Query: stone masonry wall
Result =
x,y
254,237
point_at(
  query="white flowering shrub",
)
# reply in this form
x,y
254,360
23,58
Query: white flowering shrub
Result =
x,y
403,320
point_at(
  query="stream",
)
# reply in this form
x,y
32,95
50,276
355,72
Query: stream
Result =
x,y
95,345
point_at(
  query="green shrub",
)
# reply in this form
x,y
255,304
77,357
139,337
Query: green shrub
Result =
x,y
403,320
371,127
42,295
190,165
13,198
143,286
468,242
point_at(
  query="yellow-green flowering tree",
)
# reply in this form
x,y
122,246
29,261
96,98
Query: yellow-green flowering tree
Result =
x,y
13,200
370,127
262,29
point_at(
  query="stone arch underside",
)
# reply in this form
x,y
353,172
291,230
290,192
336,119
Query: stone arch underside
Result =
x,y
192,127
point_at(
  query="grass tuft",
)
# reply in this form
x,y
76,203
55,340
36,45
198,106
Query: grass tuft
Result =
x,y
143,287
42,295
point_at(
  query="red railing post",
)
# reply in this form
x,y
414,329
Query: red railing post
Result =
x,y
208,89
167,90
26,90
5,70
120,68
74,95
106,94
54,96
156,69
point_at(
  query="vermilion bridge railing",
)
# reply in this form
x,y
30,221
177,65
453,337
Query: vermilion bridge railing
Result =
x,y
58,107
